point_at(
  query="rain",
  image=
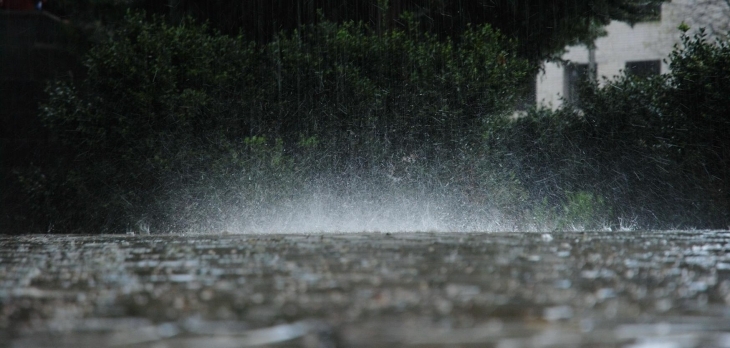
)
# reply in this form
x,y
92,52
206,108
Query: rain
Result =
x,y
364,173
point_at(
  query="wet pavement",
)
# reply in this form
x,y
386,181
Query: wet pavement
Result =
x,y
570,289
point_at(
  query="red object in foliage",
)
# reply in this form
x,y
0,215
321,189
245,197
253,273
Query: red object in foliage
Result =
x,y
21,5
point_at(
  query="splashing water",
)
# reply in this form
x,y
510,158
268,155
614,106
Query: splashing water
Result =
x,y
327,212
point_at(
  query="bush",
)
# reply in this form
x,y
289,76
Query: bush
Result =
x,y
668,131
180,127
653,149
155,127
402,90
174,124
698,107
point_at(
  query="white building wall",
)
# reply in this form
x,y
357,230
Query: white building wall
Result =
x,y
550,85
642,42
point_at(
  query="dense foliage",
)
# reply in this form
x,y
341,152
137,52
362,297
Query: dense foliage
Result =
x,y
653,149
543,27
155,112
164,132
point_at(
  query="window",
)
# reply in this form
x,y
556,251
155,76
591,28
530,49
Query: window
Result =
x,y
575,74
644,68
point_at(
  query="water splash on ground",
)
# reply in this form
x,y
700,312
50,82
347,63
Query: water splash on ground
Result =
x,y
327,212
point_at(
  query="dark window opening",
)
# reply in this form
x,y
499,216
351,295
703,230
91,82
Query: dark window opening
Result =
x,y
575,75
644,68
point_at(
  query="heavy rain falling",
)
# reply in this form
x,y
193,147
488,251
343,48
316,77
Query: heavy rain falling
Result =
x,y
364,173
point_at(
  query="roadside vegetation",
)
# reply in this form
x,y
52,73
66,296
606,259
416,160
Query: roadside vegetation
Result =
x,y
181,127
648,152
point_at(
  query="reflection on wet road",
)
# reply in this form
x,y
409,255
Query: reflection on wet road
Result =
x,y
592,289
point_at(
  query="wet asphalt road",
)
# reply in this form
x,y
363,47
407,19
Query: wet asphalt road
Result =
x,y
573,289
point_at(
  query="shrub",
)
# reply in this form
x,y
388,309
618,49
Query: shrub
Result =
x,y
698,107
175,123
158,113
401,89
653,149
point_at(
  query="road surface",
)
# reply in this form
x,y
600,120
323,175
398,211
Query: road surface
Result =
x,y
565,289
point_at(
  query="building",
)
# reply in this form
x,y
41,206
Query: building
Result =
x,y
640,49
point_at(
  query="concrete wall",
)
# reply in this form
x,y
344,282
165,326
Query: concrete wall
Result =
x,y
642,42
